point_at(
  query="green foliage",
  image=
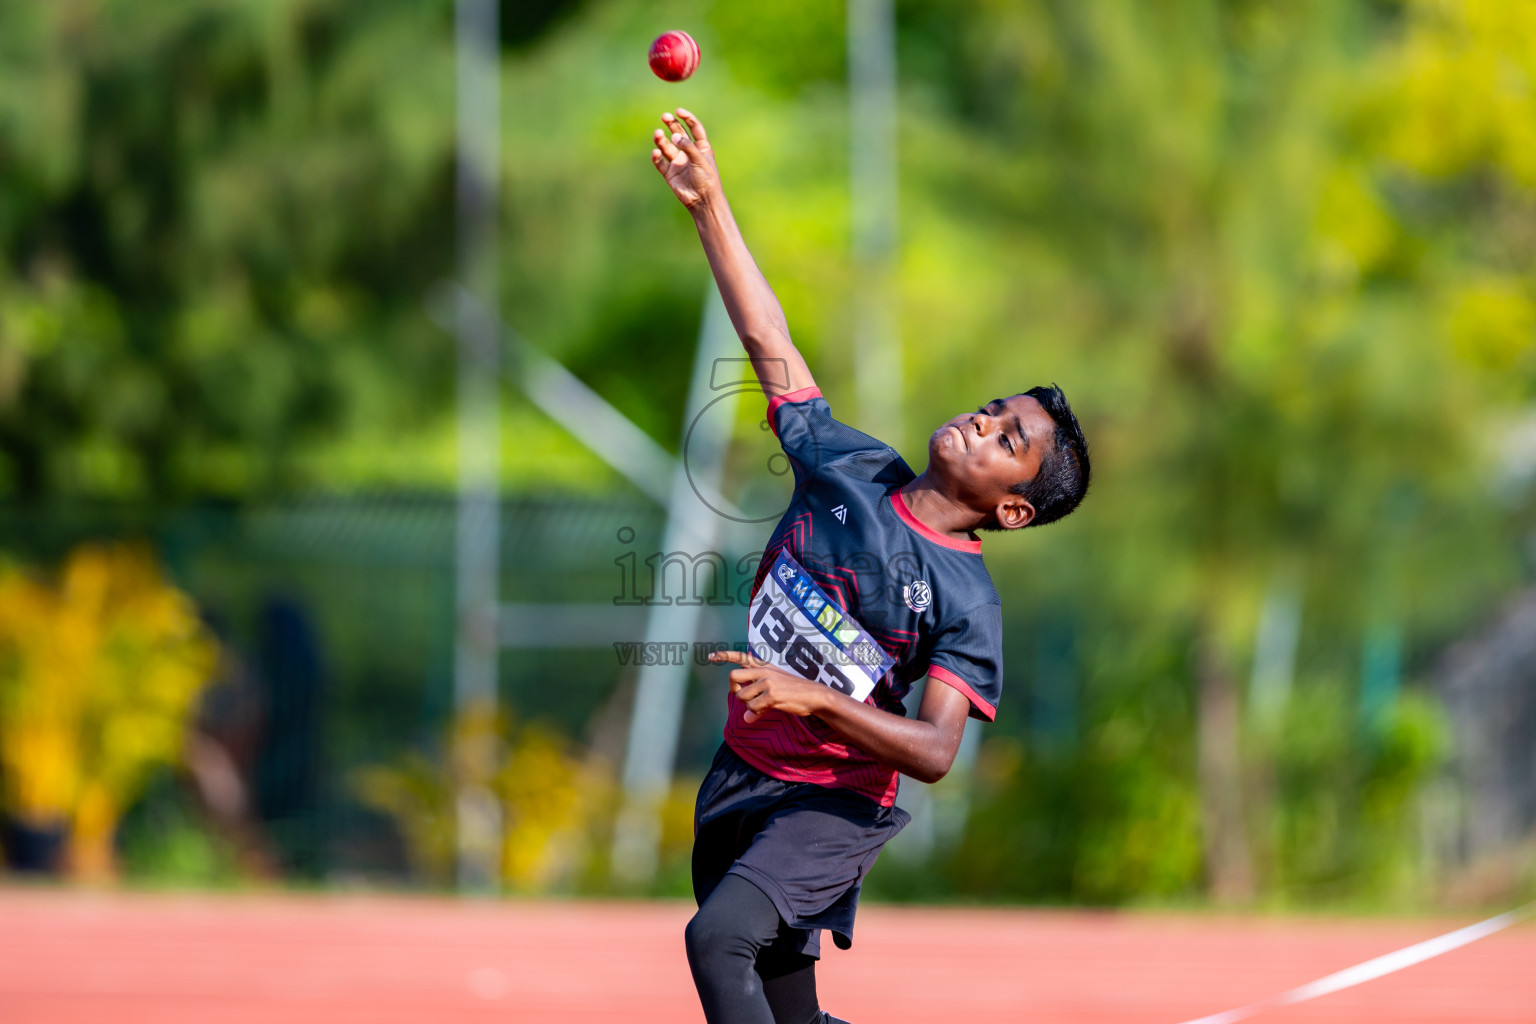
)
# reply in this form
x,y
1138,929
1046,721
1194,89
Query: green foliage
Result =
x,y
1335,810
1105,814
1345,819
784,48
1279,256
219,222
164,840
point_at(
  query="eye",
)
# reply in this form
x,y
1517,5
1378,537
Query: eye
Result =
x,y
1005,442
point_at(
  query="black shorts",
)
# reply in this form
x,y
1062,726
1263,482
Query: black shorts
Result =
x,y
808,847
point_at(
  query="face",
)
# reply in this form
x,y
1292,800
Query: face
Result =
x,y
983,454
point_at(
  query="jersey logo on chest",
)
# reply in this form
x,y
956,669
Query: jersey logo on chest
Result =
x,y
918,595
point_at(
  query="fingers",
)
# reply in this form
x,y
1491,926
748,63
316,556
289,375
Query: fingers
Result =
x,y
742,676
668,148
756,699
678,136
687,145
695,126
749,683
746,658
686,125
674,126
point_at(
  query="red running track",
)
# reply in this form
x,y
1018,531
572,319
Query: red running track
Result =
x,y
70,957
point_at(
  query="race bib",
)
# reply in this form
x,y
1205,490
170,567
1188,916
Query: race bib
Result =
x,y
792,626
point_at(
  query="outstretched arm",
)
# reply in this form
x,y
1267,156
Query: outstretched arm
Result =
x,y
923,747
686,160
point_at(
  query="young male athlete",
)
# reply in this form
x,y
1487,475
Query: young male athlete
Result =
x,y
872,580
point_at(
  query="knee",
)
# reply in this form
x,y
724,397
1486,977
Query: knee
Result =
x,y
707,936
735,922
716,936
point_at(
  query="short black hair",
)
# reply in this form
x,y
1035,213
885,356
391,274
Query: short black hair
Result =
x,y
1062,480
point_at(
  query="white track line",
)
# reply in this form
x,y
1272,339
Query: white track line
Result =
x,y
1382,965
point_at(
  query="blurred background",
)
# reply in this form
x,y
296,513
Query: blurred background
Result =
x,y
361,507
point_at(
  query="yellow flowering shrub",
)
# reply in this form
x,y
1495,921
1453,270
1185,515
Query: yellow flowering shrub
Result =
x,y
99,672
416,795
1466,85
1491,322
551,801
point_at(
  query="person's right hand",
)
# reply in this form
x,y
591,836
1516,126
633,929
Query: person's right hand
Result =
x,y
688,163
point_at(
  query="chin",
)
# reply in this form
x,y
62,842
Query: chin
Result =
x,y
945,456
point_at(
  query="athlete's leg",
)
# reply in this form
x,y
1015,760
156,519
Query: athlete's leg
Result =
x,y
789,983
724,939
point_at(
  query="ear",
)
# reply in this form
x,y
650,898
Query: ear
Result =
x,y
1014,512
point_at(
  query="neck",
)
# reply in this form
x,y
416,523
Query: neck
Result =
x,y
938,510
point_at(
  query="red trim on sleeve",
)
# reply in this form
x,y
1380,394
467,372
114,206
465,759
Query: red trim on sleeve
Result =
x,y
792,397
900,505
948,678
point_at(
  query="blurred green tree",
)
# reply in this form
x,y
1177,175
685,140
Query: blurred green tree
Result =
x,y
1288,339
1280,256
219,222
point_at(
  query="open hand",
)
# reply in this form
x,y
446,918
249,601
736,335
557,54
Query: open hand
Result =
x,y
683,156
761,687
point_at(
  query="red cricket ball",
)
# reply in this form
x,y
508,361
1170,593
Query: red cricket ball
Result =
x,y
674,56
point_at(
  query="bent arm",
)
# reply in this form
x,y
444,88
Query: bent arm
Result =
x,y
923,747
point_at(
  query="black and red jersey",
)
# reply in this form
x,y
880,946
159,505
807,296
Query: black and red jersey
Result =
x,y
926,598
